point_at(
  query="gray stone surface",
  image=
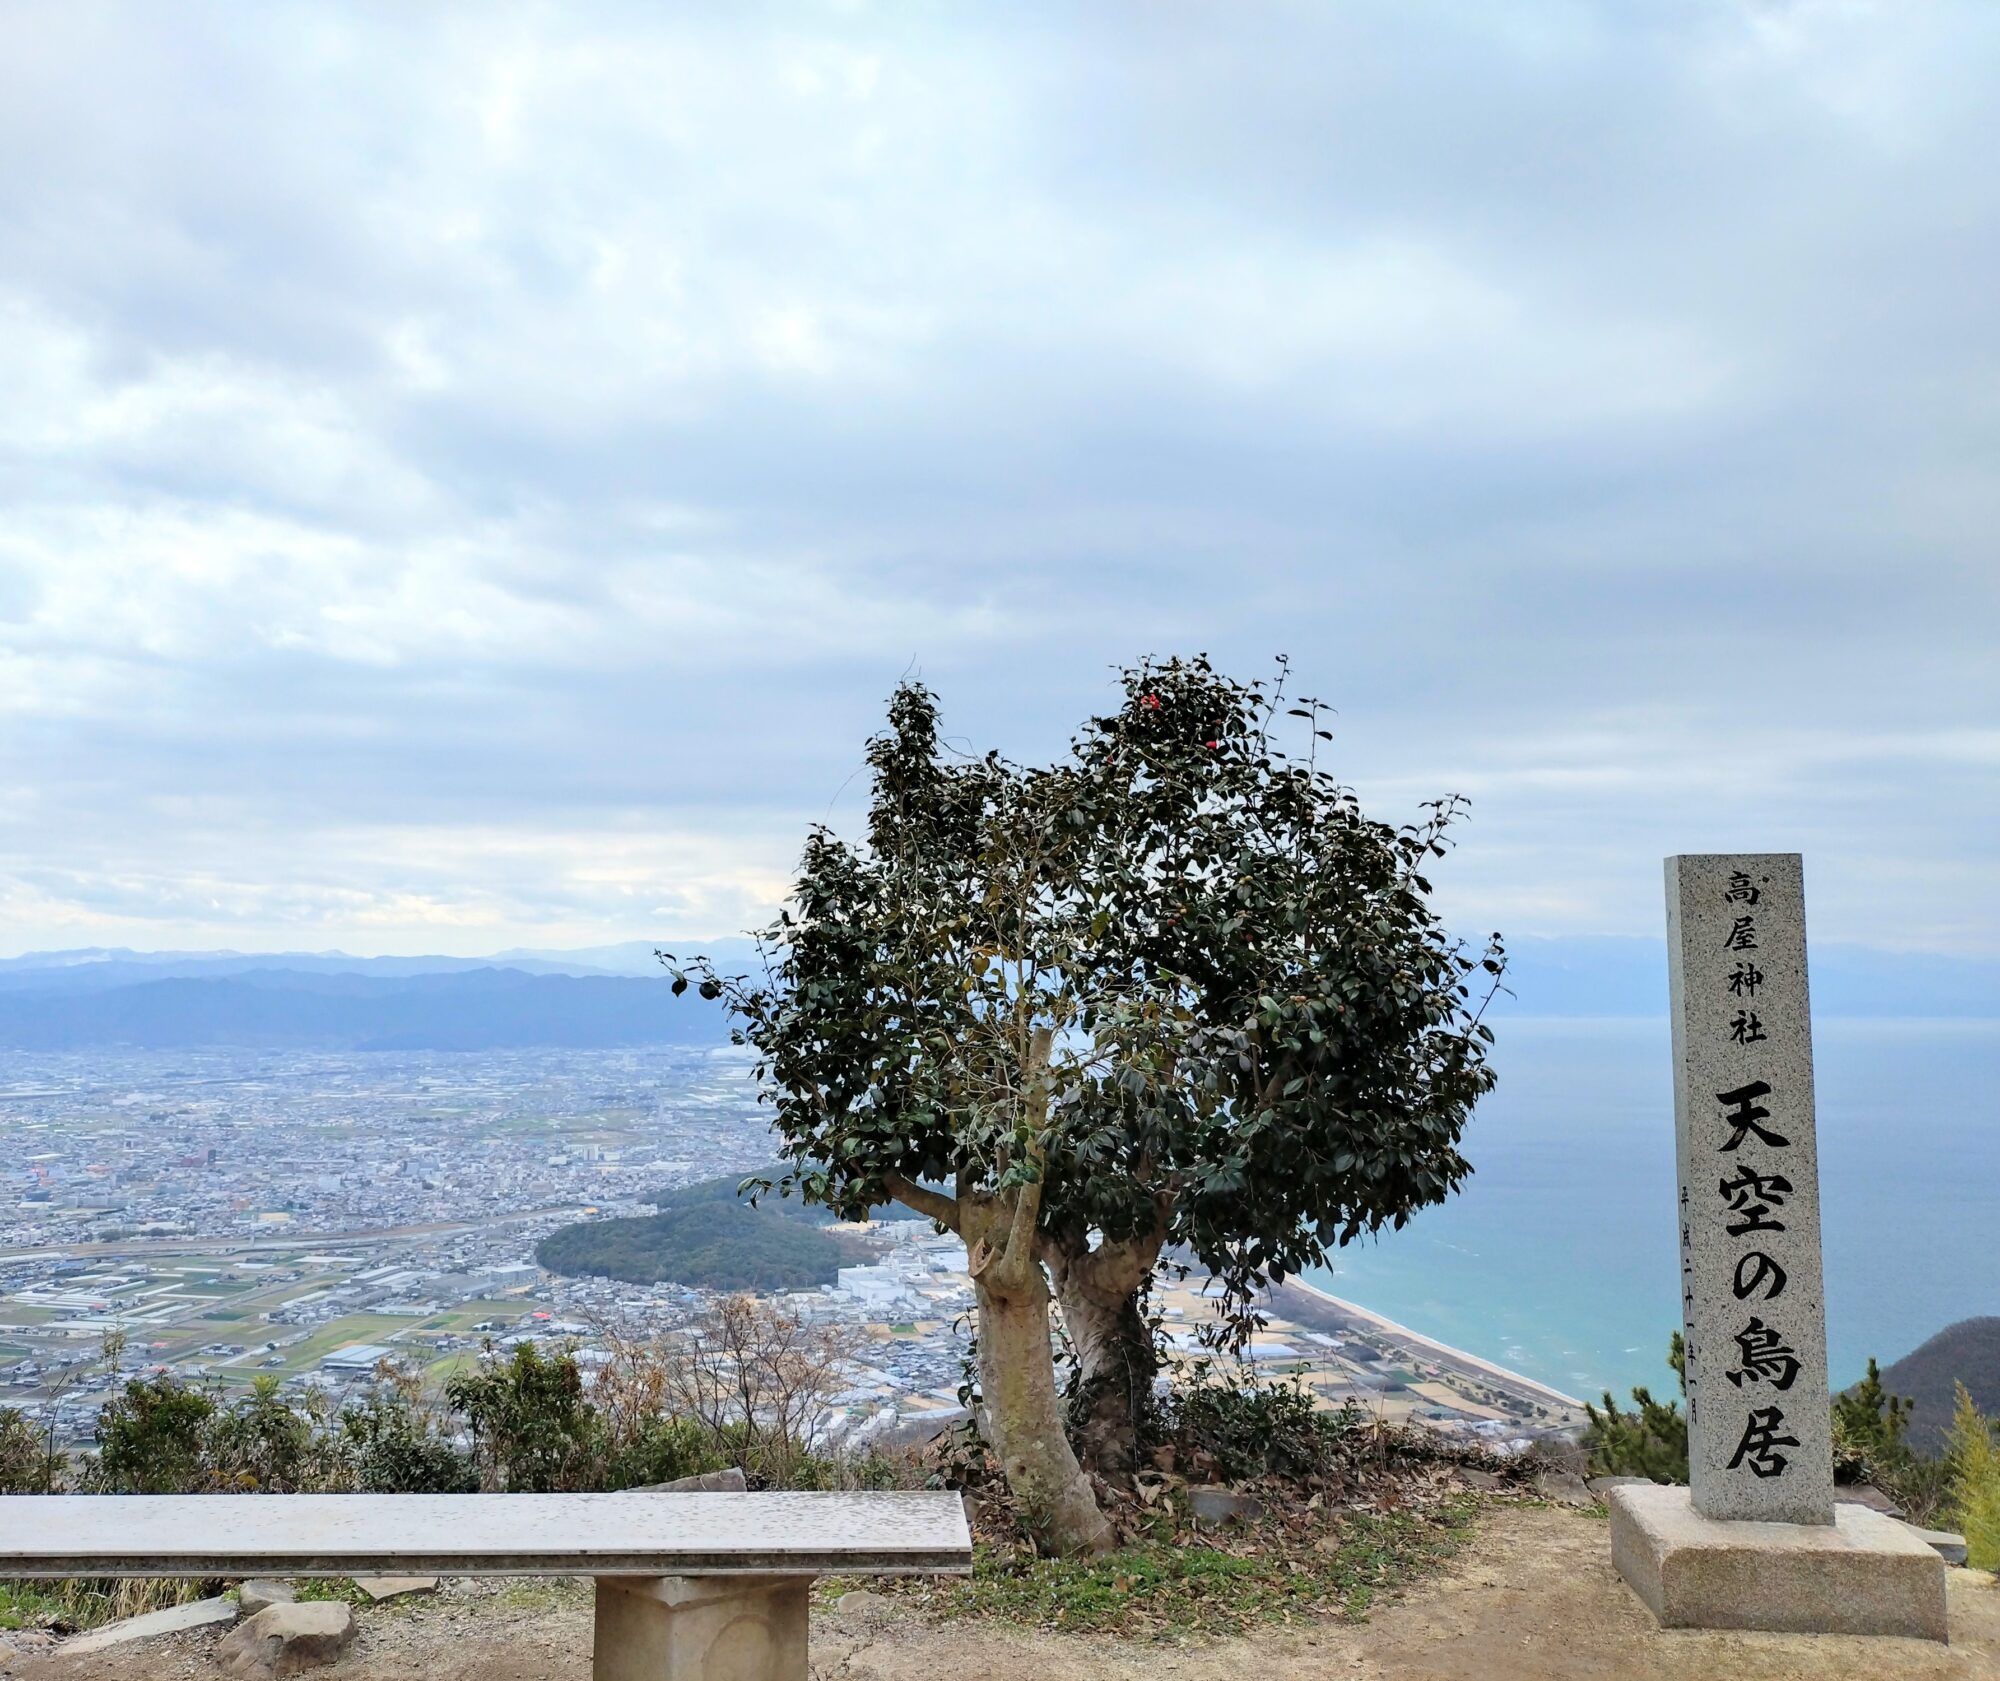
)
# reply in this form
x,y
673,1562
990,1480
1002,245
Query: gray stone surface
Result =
x,y
485,1534
1947,1546
379,1588
1602,1486
1861,1574
1759,1434
1563,1488
1867,1494
1212,1506
287,1639
861,1599
254,1596
197,1613
729,1480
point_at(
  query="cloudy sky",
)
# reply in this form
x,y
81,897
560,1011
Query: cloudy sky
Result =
x,y
470,477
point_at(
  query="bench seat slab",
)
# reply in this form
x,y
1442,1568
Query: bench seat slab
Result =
x,y
634,1534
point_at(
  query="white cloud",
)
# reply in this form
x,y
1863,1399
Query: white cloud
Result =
x,y
445,448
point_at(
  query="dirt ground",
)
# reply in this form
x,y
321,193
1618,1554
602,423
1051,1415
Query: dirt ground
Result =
x,y
1533,1596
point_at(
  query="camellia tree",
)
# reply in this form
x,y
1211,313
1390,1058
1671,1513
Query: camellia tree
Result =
x,y
1172,992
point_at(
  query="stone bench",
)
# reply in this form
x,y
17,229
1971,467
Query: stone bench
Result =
x,y
699,1587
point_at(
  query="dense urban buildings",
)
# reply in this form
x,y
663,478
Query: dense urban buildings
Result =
x,y
231,1215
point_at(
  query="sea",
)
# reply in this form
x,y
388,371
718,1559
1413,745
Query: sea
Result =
x,y
1557,1258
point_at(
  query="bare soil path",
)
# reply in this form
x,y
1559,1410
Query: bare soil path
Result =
x,y
1533,1598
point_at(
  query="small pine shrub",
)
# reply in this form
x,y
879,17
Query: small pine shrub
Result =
x,y
1650,1441
1974,1458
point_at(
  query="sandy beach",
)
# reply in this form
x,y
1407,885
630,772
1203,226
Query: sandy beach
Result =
x,y
1431,1344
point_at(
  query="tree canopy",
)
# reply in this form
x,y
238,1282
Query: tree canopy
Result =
x,y
1175,988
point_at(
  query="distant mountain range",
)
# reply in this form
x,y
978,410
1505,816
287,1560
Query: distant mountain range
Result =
x,y
616,995
461,1010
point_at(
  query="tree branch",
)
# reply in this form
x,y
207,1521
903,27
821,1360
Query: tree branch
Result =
x,y
1019,1254
935,1205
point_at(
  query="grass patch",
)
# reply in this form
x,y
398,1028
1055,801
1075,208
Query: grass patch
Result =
x,y
306,1589
31,1605
70,1605
543,1593
1154,1589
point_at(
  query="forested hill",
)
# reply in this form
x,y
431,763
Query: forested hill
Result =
x,y
287,1009
1967,1353
727,1188
706,1235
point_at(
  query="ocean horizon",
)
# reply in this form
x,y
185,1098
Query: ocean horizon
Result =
x,y
1557,1258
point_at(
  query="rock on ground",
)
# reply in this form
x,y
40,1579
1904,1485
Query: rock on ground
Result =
x,y
727,1481
1532,1598
379,1588
196,1613
285,1639
1947,1546
256,1596
1213,1506
1564,1488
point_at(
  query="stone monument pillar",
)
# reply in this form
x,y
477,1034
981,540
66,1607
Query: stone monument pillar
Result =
x,y
1756,1541
1753,1311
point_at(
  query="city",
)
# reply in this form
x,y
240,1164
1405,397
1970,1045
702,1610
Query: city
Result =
x,y
235,1215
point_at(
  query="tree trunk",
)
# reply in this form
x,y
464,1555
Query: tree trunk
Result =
x,y
1099,1290
1021,1417
1116,1363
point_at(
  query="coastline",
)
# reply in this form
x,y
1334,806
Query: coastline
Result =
x,y
1382,1323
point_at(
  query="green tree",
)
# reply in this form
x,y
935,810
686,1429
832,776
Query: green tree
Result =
x,y
153,1437
533,1429
1175,989
263,1443
1650,1441
1973,1456
395,1445
1868,1427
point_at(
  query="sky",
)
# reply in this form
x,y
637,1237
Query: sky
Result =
x,y
470,476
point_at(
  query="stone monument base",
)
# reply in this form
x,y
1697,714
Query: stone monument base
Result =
x,y
1861,1574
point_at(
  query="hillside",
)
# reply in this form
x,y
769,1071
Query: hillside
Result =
x,y
1967,1353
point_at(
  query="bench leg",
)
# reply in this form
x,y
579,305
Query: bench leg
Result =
x,y
701,1628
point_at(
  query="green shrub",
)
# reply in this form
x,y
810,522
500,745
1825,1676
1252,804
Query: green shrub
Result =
x,y
1973,1456
1249,1429
533,1429
263,1444
24,1466
393,1446
1650,1441
153,1437
1868,1428
661,1450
